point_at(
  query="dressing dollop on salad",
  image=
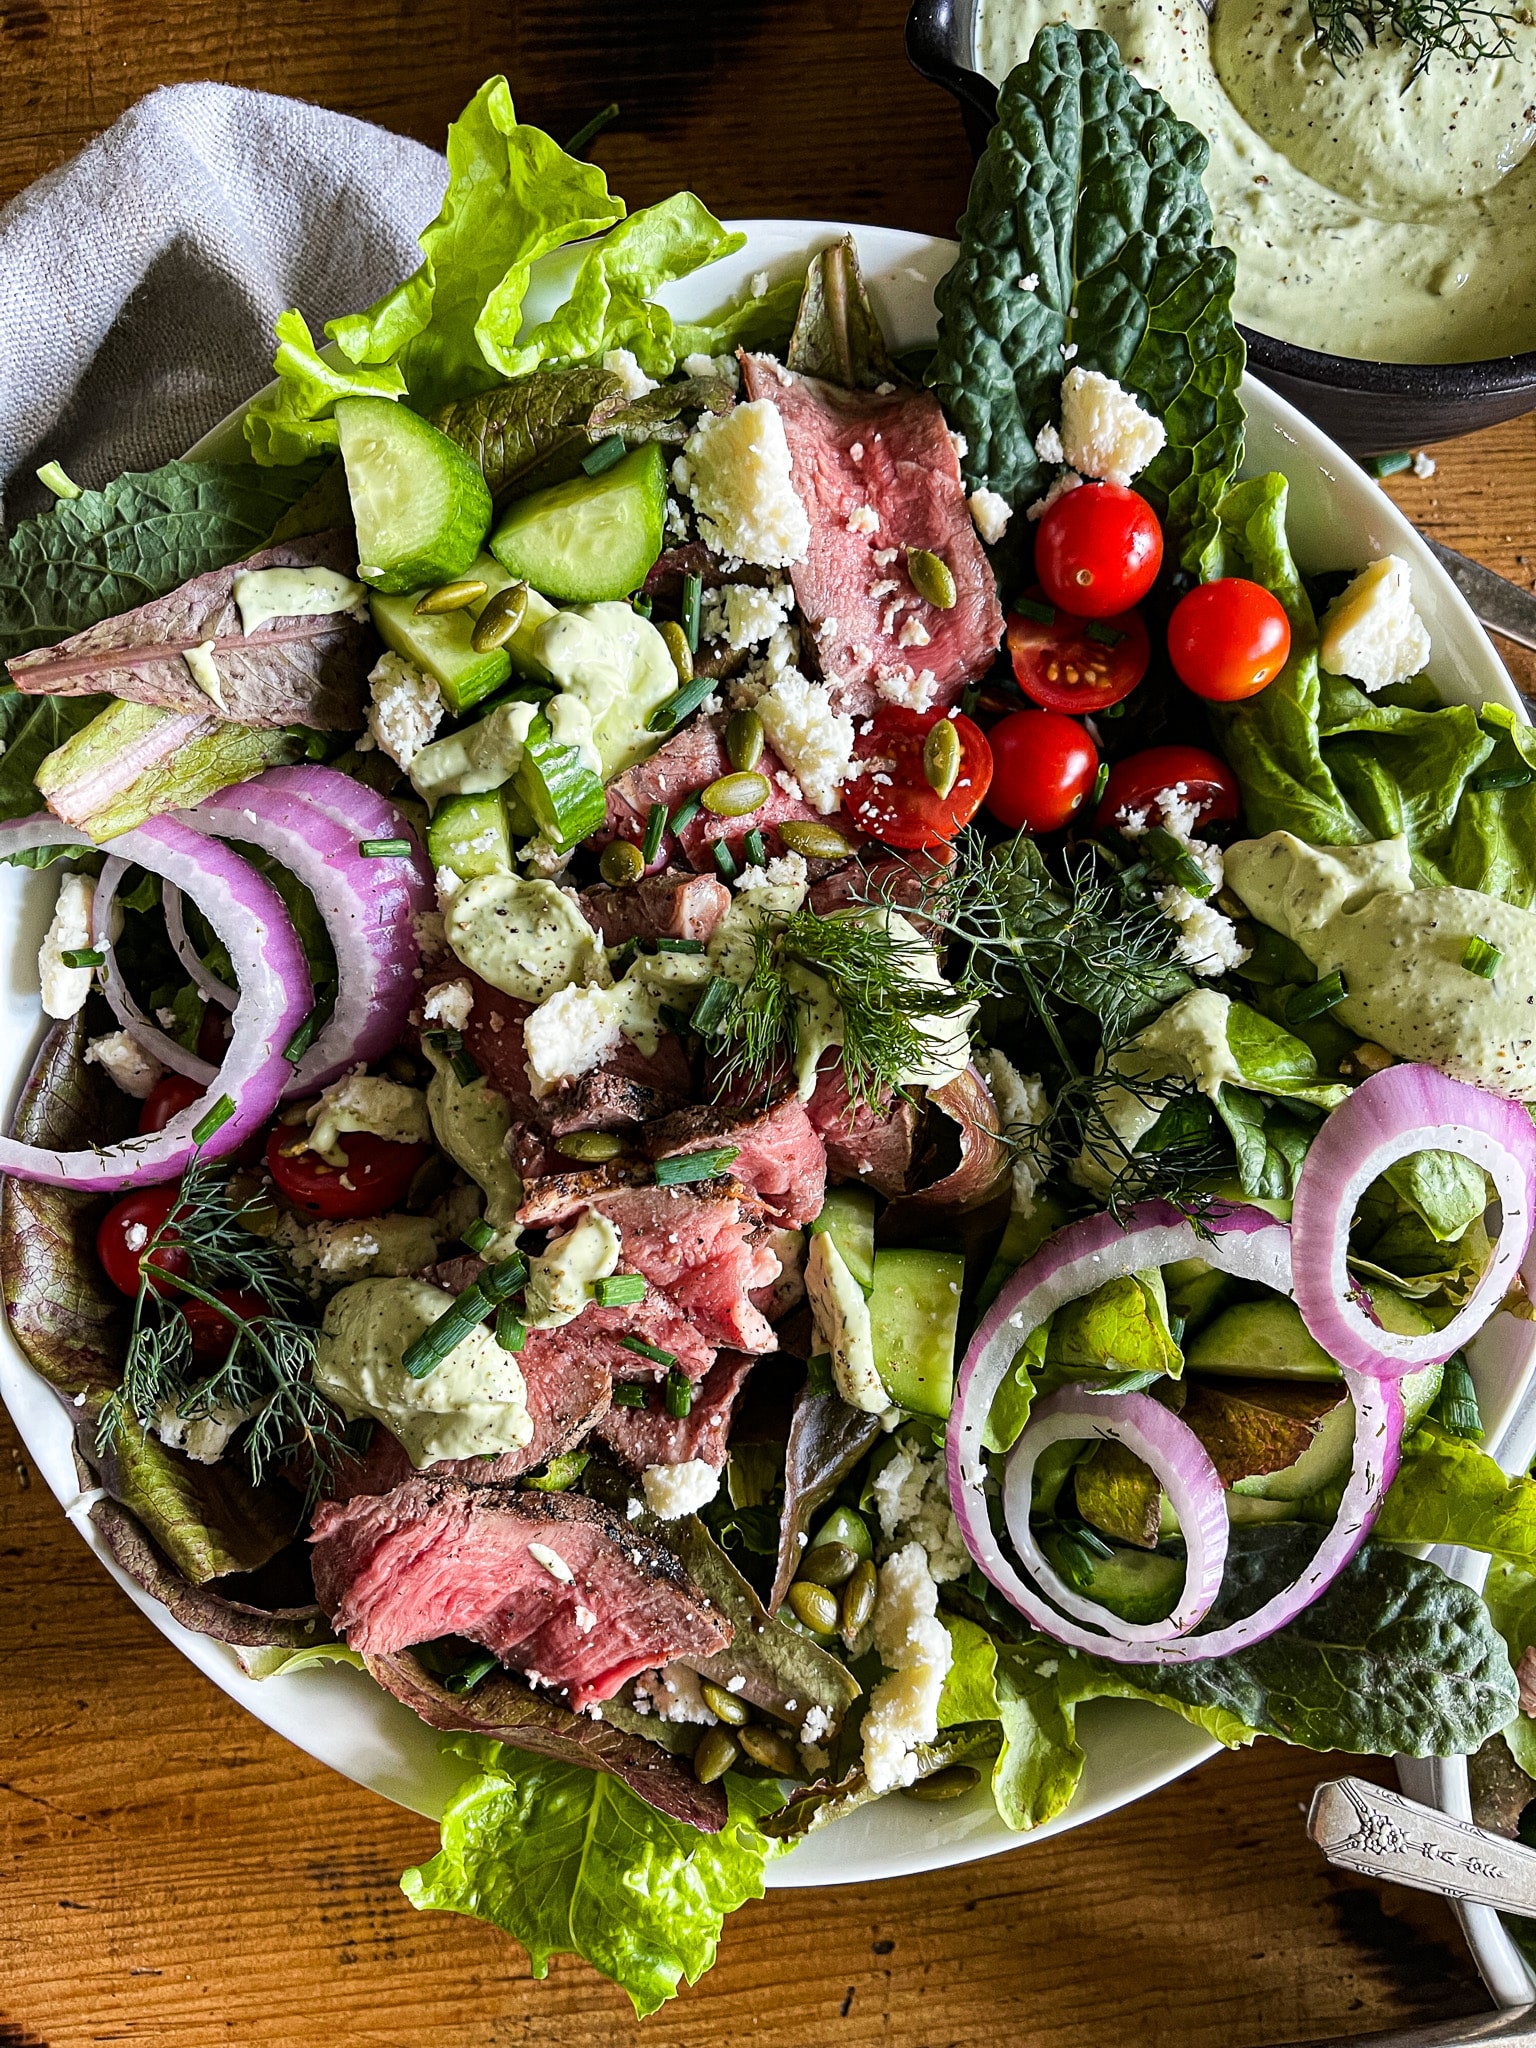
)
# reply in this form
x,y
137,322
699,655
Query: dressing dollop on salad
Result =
x,y
768,1055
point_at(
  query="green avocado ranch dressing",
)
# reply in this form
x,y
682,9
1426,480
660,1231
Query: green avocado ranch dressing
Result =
x,y
1370,217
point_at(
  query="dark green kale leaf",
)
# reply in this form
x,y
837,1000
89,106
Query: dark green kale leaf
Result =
x,y
1087,243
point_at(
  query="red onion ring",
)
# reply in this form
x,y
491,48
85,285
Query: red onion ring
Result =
x,y
1403,1110
170,1052
1244,1242
275,996
207,985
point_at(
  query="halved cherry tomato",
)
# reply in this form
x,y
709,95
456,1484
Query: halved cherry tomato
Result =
x,y
1228,639
166,1099
1199,778
126,1230
377,1175
1077,665
1098,551
894,801
1044,769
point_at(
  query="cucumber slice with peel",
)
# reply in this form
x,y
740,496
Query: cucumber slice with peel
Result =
x,y
593,538
561,791
420,505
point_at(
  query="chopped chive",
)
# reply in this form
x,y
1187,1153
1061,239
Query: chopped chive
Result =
x,y
1177,862
685,813
384,849
711,1007
53,477
82,956
619,1290
641,603
444,1041
478,1667
628,1394
818,1373
655,825
1482,957
674,1019
693,592
590,130
477,1235
752,846
465,1069
301,1040
511,1330
677,1397
679,945
215,1120
1105,635
504,1278
725,860
624,956
359,1434
1502,778
1100,782
706,1165
651,1351
1315,1001
607,452
447,1333
1379,466
681,704
1032,608
1456,1408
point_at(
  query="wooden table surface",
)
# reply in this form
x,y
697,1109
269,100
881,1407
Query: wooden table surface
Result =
x,y
172,1873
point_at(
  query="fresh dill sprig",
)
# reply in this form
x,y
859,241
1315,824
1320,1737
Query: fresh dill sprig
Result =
x,y
881,983
203,1252
1466,33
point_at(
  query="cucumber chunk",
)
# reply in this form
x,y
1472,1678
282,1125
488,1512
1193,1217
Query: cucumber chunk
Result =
x,y
914,1311
848,1218
558,787
1136,1585
595,537
1327,1458
845,1525
1267,1340
439,643
469,834
421,506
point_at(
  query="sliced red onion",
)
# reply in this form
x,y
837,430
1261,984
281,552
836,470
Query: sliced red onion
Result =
x,y
1404,1110
170,1052
314,820
208,986
275,996
1243,1242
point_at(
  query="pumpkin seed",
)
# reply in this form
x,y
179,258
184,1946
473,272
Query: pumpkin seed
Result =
x,y
744,740
829,1564
953,1782
620,863
735,796
500,619
714,1756
680,651
451,597
812,840
932,578
591,1147
766,1746
725,1706
815,1606
858,1602
941,757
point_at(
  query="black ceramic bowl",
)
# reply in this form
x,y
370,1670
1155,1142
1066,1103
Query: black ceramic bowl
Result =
x,y
1368,408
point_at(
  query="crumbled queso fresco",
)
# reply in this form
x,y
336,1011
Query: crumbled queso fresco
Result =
x,y
405,710
736,468
1208,941
814,742
675,1490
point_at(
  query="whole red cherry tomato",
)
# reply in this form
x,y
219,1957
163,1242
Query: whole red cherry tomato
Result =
x,y
168,1098
212,1333
1098,551
1198,778
1043,769
1228,639
126,1230
1076,665
894,801
377,1175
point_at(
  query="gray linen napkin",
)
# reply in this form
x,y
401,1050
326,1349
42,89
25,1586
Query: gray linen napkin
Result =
x,y
139,281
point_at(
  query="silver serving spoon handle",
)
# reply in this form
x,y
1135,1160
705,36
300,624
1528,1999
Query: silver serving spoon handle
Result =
x,y
1362,1827
1502,606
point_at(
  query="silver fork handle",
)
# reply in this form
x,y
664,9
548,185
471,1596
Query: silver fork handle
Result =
x,y
1515,2029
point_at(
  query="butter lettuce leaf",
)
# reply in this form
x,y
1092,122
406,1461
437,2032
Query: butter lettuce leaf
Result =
x,y
294,421
1087,241
1448,1491
1510,1594
571,1862
752,321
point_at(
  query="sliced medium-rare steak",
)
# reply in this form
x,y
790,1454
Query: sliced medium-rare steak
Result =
x,y
671,905
650,1436
879,475
689,760
702,834
493,1038
870,1144
779,1157
704,1255
553,1584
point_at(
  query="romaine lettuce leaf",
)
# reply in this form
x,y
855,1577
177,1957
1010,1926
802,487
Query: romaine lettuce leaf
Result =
x,y
1121,1327
1087,241
571,1862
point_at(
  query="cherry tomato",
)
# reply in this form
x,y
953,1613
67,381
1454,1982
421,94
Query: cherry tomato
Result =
x,y
377,1174
166,1099
119,1243
214,1034
1098,551
1228,639
1067,666
1044,768
1136,783
211,1332
895,802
